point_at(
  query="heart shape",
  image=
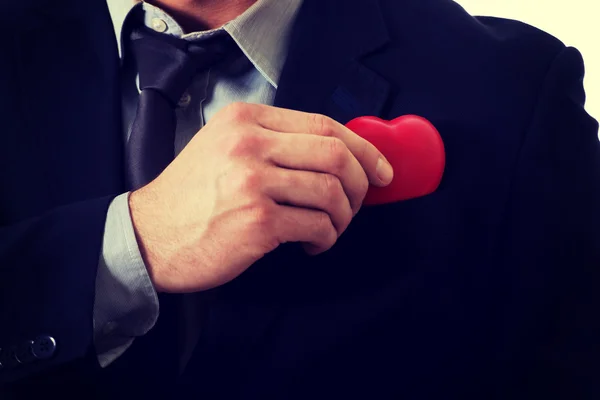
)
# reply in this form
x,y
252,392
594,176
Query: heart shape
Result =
x,y
415,149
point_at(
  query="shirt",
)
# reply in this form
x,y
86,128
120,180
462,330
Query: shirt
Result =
x,y
126,303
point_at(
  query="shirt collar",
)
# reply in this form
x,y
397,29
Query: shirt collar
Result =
x,y
262,32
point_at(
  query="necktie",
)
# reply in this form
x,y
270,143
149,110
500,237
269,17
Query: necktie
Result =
x,y
166,67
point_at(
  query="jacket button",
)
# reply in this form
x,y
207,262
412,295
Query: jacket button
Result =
x,y
7,357
23,352
43,347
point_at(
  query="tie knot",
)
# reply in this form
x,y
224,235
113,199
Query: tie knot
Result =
x,y
168,64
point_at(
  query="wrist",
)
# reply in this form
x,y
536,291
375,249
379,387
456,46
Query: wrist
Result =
x,y
145,224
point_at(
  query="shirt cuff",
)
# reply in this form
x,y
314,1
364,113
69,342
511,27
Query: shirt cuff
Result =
x,y
126,303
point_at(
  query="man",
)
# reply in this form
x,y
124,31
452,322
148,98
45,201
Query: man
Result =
x,y
483,289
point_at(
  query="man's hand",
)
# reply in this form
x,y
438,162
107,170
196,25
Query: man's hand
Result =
x,y
253,178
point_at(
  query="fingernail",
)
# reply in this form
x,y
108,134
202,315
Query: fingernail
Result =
x,y
385,172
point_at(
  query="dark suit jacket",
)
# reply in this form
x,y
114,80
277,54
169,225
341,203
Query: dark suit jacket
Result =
x,y
487,288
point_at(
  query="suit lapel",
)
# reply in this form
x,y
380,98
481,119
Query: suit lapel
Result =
x,y
323,72
69,80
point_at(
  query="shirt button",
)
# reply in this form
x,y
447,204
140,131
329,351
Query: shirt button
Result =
x,y
7,357
185,100
159,25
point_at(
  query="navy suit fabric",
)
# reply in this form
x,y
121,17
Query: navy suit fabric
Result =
x,y
485,289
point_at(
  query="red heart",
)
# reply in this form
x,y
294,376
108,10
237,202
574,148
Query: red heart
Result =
x,y
414,148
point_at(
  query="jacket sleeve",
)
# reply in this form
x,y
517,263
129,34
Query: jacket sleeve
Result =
x,y
553,245
48,268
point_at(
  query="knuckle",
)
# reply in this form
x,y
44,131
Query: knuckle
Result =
x,y
239,111
359,191
263,214
322,223
364,149
325,230
249,179
337,153
348,215
246,142
363,185
323,125
332,189
252,178
263,217
339,205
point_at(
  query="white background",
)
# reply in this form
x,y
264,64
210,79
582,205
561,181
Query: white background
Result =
x,y
574,22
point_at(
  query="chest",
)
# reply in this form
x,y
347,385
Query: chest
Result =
x,y
406,283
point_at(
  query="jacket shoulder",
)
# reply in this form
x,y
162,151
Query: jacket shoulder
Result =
x,y
448,25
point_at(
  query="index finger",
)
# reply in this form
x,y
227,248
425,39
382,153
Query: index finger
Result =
x,y
378,169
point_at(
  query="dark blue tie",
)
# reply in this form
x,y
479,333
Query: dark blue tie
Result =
x,y
166,67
